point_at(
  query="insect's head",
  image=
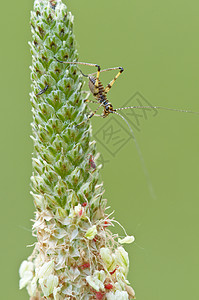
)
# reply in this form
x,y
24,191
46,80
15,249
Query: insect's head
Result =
x,y
109,108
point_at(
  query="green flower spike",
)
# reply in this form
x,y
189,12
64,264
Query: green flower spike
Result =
x,y
70,223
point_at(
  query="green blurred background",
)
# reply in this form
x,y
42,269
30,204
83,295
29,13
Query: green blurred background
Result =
x,y
157,43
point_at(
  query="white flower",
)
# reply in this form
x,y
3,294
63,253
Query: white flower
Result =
x,y
118,286
108,258
118,295
45,270
55,293
100,275
97,280
25,279
95,283
106,255
48,284
32,287
122,259
121,280
26,266
26,273
91,232
127,240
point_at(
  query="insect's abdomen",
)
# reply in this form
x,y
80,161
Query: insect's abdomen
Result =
x,y
95,91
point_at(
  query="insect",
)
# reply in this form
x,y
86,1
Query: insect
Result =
x,y
100,92
91,162
43,90
53,3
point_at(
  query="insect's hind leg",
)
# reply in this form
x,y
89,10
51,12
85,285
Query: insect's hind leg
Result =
x,y
109,86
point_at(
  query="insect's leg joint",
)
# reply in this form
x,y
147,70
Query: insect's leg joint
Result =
x,y
121,69
98,67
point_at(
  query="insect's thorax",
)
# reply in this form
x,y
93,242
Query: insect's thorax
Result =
x,y
100,95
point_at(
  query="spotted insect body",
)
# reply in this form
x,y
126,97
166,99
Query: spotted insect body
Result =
x,y
100,95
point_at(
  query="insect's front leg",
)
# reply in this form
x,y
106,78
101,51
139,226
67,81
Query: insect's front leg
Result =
x,y
93,113
91,101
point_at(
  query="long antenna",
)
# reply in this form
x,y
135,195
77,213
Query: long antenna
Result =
x,y
159,107
150,186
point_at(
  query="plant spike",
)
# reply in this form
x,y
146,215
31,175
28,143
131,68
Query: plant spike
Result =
x,y
75,255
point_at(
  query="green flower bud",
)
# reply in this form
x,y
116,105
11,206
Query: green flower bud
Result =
x,y
48,284
91,232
